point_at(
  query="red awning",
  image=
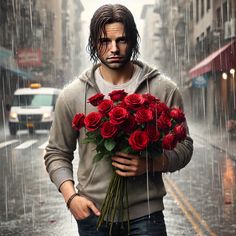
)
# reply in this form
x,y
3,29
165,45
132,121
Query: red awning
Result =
x,y
221,60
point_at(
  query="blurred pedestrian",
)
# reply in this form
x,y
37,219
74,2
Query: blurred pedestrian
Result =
x,y
114,48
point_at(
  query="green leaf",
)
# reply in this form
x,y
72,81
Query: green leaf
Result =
x,y
126,149
109,144
91,134
98,157
88,140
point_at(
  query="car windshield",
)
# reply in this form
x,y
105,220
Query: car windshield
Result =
x,y
34,100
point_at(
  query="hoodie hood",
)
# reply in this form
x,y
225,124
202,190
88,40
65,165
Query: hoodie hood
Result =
x,y
147,74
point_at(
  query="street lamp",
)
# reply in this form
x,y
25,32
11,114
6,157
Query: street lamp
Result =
x,y
224,76
232,72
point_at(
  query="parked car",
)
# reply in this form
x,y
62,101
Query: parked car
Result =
x,y
32,108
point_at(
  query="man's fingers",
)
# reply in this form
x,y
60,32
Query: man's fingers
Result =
x,y
122,160
125,174
94,209
124,167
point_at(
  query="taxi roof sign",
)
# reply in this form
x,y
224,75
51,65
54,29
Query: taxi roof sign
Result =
x,y
35,85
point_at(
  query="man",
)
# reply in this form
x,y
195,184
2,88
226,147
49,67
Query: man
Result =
x,y
113,41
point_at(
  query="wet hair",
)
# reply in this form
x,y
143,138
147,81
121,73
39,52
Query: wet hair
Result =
x,y
108,14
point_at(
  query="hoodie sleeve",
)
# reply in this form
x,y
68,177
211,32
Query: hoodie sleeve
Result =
x,y
182,154
62,143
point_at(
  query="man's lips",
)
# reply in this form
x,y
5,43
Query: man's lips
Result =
x,y
114,58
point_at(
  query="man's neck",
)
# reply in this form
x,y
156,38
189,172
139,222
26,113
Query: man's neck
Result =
x,y
119,76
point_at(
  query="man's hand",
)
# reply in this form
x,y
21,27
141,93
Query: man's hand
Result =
x,y
129,165
81,208
133,165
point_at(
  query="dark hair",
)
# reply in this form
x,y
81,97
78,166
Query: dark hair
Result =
x,y
108,14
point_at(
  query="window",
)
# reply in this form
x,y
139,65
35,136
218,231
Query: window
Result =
x,y
208,4
197,10
34,100
208,30
218,15
202,8
191,11
225,12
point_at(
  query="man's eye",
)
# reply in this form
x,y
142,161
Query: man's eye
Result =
x,y
104,41
122,40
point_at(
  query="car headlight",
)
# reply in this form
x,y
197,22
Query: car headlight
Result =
x,y
13,115
47,115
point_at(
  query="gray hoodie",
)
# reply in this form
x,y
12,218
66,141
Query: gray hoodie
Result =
x,y
94,177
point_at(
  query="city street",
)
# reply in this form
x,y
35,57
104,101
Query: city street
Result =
x,y
201,198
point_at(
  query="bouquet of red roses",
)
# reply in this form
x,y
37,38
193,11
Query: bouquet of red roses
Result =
x,y
137,123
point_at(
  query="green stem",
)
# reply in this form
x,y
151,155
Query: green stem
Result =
x,y
107,200
127,204
115,203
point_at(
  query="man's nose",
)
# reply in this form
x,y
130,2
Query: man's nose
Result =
x,y
114,47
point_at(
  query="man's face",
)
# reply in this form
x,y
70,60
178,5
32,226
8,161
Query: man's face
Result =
x,y
113,49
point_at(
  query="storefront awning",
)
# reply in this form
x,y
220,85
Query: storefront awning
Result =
x,y
7,62
221,60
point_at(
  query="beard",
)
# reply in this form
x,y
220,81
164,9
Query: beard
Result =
x,y
116,64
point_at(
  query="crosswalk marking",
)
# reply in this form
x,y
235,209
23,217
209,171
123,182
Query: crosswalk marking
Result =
x,y
26,144
43,146
4,144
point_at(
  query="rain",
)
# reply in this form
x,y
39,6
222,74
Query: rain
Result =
x,y
43,44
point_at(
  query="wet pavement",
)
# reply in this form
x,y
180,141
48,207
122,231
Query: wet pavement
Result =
x,y
218,137
201,198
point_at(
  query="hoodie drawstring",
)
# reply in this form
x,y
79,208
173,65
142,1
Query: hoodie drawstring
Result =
x,y
148,87
85,96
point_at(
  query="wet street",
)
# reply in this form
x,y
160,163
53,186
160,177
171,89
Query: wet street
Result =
x,y
201,198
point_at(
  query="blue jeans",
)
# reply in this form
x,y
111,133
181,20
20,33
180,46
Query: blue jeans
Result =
x,y
153,225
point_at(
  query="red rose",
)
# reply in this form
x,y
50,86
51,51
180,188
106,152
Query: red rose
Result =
x,y
129,125
93,120
164,122
138,140
78,121
134,101
143,116
153,133
180,132
117,95
158,108
177,114
96,99
169,141
150,99
118,115
105,106
108,130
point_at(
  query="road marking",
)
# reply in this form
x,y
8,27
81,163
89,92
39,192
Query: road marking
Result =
x,y
187,207
43,146
184,210
26,144
4,144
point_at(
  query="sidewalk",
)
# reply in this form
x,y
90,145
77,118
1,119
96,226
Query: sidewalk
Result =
x,y
217,137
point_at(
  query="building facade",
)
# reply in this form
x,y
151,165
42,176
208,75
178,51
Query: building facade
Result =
x,y
212,75
39,42
198,41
